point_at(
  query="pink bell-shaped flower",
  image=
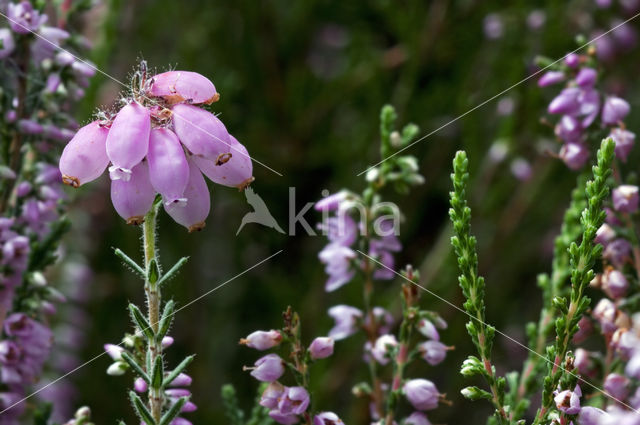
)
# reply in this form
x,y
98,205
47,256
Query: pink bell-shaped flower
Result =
x,y
184,86
193,214
128,140
134,197
168,167
85,157
237,172
202,133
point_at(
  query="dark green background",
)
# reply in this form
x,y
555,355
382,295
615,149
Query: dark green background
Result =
x,y
431,60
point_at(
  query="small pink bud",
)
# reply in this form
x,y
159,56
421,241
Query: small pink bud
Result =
x,y
617,385
168,167
422,394
262,340
85,157
114,351
140,385
428,329
268,368
321,347
550,78
625,198
236,172
184,86
433,352
134,197
182,380
167,341
128,140
194,213
202,133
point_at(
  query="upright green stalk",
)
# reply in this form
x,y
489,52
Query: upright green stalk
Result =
x,y
582,260
154,345
472,286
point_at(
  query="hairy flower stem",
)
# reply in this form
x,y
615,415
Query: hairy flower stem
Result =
x,y
154,346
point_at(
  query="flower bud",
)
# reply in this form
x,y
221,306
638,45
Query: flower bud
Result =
x,y
321,347
85,157
194,213
167,341
617,386
575,155
586,77
326,418
132,198
183,86
614,283
566,102
605,234
202,133
168,167
262,340
624,140
268,368
236,172
117,369
140,385
625,198
422,394
381,350
433,352
550,77
114,351
592,416
614,110
572,60
428,329
128,140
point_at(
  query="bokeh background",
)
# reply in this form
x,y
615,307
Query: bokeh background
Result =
x,y
302,84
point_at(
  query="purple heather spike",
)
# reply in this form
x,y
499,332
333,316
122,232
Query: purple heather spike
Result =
x,y
85,157
192,215
202,133
128,140
133,198
184,86
237,172
168,167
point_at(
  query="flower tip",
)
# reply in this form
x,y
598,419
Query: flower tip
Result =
x,y
119,173
179,202
223,158
71,181
197,227
212,99
135,220
245,184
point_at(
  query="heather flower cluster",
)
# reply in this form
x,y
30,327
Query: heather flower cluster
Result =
x,y
160,142
289,404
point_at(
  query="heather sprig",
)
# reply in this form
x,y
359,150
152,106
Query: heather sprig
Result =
x,y
482,334
582,261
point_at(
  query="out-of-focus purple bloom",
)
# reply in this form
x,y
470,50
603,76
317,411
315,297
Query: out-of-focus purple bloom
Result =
x,y
262,340
294,400
383,320
617,252
382,349
615,109
428,329
382,249
605,46
346,321
614,283
574,155
326,418
7,45
586,77
624,142
44,46
581,361
493,26
605,313
551,77
321,347
617,386
417,418
31,127
337,256
572,60
284,419
521,169
566,102
433,352
268,368
625,198
592,416
536,19
422,394
569,129
331,202
568,401
23,18
624,34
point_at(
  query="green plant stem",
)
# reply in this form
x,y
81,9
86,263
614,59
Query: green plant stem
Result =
x,y
154,346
